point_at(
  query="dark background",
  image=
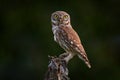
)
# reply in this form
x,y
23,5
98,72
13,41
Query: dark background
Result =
x,y
26,38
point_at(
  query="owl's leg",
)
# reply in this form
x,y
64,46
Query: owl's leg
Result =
x,y
66,56
63,55
69,57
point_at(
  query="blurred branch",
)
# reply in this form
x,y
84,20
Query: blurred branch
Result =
x,y
57,69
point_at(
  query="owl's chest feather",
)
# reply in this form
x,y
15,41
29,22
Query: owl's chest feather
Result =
x,y
60,37
57,33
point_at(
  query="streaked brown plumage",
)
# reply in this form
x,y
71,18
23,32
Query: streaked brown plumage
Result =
x,y
66,36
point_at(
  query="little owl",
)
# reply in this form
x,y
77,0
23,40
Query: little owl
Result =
x,y
67,37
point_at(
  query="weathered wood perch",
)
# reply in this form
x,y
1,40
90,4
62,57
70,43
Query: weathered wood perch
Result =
x,y
57,68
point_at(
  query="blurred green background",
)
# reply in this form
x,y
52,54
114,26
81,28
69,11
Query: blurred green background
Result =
x,y
26,38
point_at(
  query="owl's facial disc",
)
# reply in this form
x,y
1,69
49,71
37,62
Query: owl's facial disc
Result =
x,y
60,17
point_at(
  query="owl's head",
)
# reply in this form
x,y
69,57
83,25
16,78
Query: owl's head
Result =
x,y
60,17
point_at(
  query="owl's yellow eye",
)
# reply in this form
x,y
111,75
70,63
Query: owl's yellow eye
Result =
x,y
65,17
55,16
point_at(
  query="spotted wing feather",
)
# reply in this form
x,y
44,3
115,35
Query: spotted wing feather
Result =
x,y
72,42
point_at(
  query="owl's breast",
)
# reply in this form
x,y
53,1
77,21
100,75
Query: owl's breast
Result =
x,y
61,38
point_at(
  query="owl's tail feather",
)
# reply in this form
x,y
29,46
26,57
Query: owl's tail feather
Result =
x,y
85,59
88,64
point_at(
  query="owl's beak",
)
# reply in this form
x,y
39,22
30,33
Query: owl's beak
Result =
x,y
61,21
